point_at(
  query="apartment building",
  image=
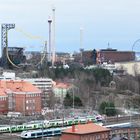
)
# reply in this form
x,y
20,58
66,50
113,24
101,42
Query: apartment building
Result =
x,y
3,102
20,96
60,90
45,85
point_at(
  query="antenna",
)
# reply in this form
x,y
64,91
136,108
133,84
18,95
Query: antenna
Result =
x,y
81,38
81,43
108,44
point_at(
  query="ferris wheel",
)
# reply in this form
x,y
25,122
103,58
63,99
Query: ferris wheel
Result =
x,y
136,49
136,45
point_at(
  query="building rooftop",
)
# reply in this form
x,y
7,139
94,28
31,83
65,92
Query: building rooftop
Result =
x,y
2,92
62,85
86,129
18,86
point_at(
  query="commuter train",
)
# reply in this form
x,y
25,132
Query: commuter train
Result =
x,y
120,125
40,133
48,124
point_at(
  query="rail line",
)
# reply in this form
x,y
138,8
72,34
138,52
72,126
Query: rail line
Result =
x,y
118,119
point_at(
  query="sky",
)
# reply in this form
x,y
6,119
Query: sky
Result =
x,y
101,21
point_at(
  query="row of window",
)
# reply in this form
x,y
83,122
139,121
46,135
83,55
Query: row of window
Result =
x,y
2,106
27,95
33,95
103,136
3,98
30,107
43,84
30,101
33,113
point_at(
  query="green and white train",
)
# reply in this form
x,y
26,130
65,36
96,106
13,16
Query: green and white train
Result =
x,y
43,124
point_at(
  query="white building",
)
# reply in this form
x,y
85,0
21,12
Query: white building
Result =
x,y
45,85
7,76
110,67
60,90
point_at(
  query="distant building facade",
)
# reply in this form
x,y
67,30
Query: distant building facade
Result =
x,y
3,102
45,85
87,57
15,54
86,132
112,55
63,58
107,55
20,96
60,90
92,131
8,75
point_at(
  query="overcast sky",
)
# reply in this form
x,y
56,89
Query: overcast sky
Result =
x,y
103,21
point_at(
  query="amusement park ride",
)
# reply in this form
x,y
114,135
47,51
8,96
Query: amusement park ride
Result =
x,y
14,55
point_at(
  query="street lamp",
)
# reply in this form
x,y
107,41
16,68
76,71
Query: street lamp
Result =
x,y
62,96
73,98
73,102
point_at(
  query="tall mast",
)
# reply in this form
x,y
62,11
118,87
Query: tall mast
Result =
x,y
49,55
53,37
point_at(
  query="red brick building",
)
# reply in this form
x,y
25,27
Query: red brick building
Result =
x,y
20,96
107,55
116,56
130,133
87,57
3,102
86,132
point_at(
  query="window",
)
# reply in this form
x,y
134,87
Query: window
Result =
x,y
45,133
39,134
33,135
57,132
50,133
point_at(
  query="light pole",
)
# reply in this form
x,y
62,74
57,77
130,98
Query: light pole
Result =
x,y
73,101
73,98
62,105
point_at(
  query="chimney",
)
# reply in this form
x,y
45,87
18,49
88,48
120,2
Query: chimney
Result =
x,y
89,122
73,128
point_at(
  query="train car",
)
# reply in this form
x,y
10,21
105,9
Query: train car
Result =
x,y
99,118
42,124
120,125
42,133
5,129
35,125
23,127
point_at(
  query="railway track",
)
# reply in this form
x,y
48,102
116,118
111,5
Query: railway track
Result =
x,y
117,119
9,136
